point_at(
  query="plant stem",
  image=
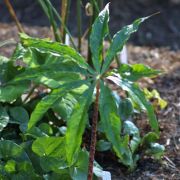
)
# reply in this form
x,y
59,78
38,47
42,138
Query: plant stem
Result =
x,y
13,15
30,93
93,133
79,22
64,14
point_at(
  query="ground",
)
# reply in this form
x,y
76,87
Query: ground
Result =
x,y
168,84
160,30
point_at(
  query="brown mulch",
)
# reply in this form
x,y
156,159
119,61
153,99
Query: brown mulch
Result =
x,y
168,84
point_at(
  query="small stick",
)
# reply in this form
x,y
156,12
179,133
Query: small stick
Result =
x,y
13,15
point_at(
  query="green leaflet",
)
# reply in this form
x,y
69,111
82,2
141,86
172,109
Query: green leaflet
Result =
x,y
48,101
51,151
4,118
135,91
110,120
118,41
149,138
103,145
79,170
111,124
55,47
65,106
10,150
48,146
133,131
19,116
156,150
10,93
136,71
76,124
19,52
52,75
7,70
125,108
98,33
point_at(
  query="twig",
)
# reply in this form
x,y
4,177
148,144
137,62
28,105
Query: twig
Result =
x,y
30,93
79,22
13,15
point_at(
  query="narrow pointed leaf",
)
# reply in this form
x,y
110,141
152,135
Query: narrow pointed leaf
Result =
x,y
55,47
48,101
98,33
109,119
136,92
136,71
118,41
76,124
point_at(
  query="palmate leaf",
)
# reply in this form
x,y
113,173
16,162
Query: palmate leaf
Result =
x,y
48,101
118,41
136,93
136,71
98,33
76,125
55,47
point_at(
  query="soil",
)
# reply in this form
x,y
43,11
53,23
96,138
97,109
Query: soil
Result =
x,y
168,84
160,30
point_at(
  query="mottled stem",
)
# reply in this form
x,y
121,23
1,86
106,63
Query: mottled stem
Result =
x,y
93,133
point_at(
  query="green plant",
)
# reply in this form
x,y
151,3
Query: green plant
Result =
x,y
49,124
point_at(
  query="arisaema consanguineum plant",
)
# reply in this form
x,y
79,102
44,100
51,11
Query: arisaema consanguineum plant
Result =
x,y
74,86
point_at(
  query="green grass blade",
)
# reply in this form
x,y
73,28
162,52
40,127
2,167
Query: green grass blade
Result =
x,y
47,8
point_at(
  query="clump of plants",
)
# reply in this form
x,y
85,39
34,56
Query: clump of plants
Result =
x,y
46,91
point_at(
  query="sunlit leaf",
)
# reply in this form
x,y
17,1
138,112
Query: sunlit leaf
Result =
x,y
136,71
136,92
4,118
98,33
76,124
55,47
48,101
118,41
